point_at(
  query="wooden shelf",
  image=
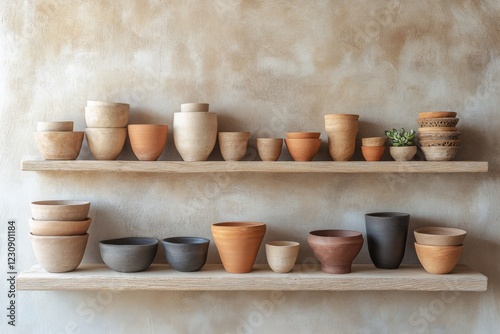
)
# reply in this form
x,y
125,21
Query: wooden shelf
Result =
x,y
258,166
213,277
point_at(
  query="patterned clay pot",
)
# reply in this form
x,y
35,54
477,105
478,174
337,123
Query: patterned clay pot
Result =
x,y
195,134
147,140
341,130
238,244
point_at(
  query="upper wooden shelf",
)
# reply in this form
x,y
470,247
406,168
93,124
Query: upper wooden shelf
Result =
x,y
214,277
258,166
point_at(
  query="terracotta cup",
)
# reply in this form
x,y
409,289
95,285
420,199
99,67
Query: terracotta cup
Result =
x,y
269,149
373,153
238,244
105,143
403,153
438,259
281,255
233,145
195,134
303,149
147,140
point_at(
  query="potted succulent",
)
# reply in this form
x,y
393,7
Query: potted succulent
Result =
x,y
402,146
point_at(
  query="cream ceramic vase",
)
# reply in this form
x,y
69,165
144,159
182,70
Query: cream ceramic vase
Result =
x,y
147,140
341,130
233,145
195,134
281,255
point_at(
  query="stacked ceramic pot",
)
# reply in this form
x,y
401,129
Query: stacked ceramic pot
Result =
x,y
439,248
341,130
373,148
195,131
303,146
106,128
58,141
438,135
58,233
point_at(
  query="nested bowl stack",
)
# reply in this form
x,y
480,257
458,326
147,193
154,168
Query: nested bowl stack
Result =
x,y
106,130
438,135
58,233
58,141
373,148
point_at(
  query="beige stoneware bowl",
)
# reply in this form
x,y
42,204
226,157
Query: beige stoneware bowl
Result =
x,y
60,210
440,236
54,126
59,227
59,145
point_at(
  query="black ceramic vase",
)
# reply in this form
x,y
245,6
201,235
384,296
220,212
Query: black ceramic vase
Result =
x,y
386,235
186,253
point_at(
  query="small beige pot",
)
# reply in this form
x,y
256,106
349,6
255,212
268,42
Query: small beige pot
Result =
x,y
194,107
60,210
105,143
269,148
403,153
233,145
373,141
54,126
281,255
59,227
59,145
94,103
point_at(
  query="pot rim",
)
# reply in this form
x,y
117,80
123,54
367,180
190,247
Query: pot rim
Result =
x,y
130,241
247,224
185,240
387,214
348,233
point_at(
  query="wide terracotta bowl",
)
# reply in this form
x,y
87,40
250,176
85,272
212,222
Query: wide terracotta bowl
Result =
x,y
238,244
59,227
147,140
186,254
438,259
303,149
335,249
58,254
60,210
128,254
59,145
303,135
54,126
194,107
440,236
106,143
115,116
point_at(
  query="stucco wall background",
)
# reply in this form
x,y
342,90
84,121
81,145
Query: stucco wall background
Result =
x,y
267,67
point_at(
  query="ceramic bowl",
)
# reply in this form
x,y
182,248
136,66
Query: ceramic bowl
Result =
x,y
439,153
60,210
444,142
443,135
303,149
147,140
128,254
186,253
269,149
373,141
54,126
58,254
94,103
303,135
233,145
59,145
59,227
107,116
105,143
438,259
194,107
282,255
437,114
373,153
440,236
437,122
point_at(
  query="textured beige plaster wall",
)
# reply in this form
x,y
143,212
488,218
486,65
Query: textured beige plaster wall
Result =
x,y
267,67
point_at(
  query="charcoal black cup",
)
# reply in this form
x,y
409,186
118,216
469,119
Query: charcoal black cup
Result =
x,y
186,253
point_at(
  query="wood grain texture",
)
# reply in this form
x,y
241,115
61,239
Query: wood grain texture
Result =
x,y
214,277
259,166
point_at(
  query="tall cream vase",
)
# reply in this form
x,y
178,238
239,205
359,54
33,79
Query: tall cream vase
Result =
x,y
341,130
195,134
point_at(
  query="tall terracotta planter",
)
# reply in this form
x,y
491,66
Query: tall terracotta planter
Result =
x,y
147,140
238,244
195,134
341,130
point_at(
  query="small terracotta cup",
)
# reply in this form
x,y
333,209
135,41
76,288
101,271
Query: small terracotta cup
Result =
x,y
373,153
147,140
281,255
373,141
233,145
303,149
269,148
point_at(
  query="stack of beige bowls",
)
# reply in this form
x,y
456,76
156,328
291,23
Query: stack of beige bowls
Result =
x,y
342,130
195,131
58,141
438,135
59,233
106,128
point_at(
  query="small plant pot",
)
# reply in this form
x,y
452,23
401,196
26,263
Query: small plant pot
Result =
x,y
233,145
403,153
147,140
186,254
438,260
373,153
269,149
282,255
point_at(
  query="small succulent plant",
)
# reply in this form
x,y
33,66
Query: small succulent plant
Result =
x,y
400,138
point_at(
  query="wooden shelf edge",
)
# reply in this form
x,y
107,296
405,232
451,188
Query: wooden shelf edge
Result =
x,y
213,278
182,167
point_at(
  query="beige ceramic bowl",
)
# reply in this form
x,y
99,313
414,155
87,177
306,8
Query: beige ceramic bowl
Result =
x,y
59,227
105,143
107,116
440,236
60,210
54,126
59,145
194,107
58,254
440,153
438,259
373,141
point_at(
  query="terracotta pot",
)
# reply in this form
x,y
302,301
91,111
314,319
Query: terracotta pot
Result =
x,y
186,254
440,153
107,116
440,236
105,143
128,255
59,227
60,145
147,140
335,249
373,153
341,130
438,259
269,149
282,255
58,254
437,114
54,126
303,135
403,153
436,130
195,134
303,149
194,107
238,244
444,135
373,141
60,210
233,145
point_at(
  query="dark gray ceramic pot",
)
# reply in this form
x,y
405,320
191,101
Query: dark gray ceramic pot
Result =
x,y
128,254
186,253
386,235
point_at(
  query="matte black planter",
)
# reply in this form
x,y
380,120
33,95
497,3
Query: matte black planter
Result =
x,y
186,253
386,234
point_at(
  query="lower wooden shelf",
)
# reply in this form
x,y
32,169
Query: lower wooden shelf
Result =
x,y
214,277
